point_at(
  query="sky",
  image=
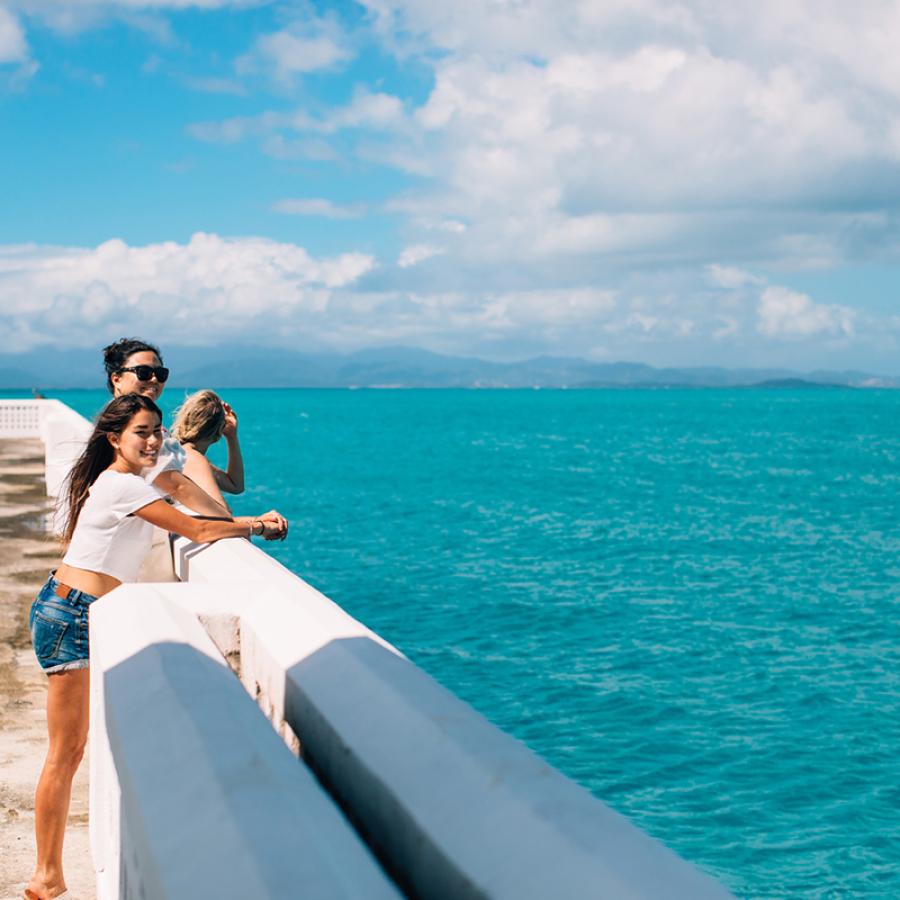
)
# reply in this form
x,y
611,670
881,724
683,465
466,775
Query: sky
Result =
x,y
692,183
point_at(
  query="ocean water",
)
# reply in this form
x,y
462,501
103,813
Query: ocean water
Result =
x,y
687,601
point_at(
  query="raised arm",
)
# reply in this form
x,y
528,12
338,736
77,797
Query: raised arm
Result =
x,y
232,480
269,525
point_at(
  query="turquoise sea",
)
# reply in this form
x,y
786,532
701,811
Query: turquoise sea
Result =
x,y
685,600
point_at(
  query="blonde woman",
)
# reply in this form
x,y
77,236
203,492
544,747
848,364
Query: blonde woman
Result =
x,y
202,420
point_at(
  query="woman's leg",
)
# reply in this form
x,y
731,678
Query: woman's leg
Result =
x,y
68,704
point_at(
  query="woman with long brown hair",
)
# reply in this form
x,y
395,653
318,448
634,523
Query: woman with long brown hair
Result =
x,y
111,511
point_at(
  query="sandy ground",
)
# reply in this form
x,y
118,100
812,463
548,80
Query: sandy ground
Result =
x,y
26,555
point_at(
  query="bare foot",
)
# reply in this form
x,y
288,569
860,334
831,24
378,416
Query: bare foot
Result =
x,y
39,890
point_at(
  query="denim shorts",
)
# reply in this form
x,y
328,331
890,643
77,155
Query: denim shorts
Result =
x,y
59,627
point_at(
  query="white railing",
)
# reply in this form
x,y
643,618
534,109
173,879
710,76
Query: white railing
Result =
x,y
183,770
192,793
62,430
20,418
64,433
454,807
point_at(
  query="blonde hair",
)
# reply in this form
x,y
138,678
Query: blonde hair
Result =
x,y
200,418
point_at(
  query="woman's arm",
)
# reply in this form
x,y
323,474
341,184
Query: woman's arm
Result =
x,y
199,470
232,480
202,531
179,487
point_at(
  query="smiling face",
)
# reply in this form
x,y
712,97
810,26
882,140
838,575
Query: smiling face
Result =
x,y
128,382
137,447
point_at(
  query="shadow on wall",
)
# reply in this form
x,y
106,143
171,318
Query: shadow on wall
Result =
x,y
167,804
212,802
350,703
453,806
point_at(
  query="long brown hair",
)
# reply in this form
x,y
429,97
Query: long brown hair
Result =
x,y
99,453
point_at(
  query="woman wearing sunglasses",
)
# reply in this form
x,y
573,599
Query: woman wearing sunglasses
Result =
x,y
110,514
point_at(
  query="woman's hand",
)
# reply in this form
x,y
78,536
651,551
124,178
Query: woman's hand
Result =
x,y
275,526
231,422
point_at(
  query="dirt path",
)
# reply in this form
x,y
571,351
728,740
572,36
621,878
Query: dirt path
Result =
x,y
26,555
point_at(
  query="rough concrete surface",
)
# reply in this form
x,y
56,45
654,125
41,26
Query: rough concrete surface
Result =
x,y
26,555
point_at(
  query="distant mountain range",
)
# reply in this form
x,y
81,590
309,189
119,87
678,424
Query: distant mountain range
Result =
x,y
401,367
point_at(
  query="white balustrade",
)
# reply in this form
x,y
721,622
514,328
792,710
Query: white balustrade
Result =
x,y
20,418
63,431
192,794
455,807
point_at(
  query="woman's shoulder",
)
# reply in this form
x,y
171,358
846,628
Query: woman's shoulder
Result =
x,y
194,460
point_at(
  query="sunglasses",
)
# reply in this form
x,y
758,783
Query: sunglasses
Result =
x,y
145,373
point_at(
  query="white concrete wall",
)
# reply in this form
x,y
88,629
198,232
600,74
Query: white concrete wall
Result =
x,y
193,795
64,433
62,430
454,806
20,418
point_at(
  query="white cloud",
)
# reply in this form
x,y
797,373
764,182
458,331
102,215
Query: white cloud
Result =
x,y
73,16
732,277
648,128
366,110
787,314
13,46
415,254
601,170
592,133
257,290
553,308
211,286
304,47
621,130
229,131
318,207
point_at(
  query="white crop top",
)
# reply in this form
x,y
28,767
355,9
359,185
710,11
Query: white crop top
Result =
x,y
108,538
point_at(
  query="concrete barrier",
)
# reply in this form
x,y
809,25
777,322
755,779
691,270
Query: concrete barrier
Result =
x,y
64,433
192,794
20,418
453,806
62,430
